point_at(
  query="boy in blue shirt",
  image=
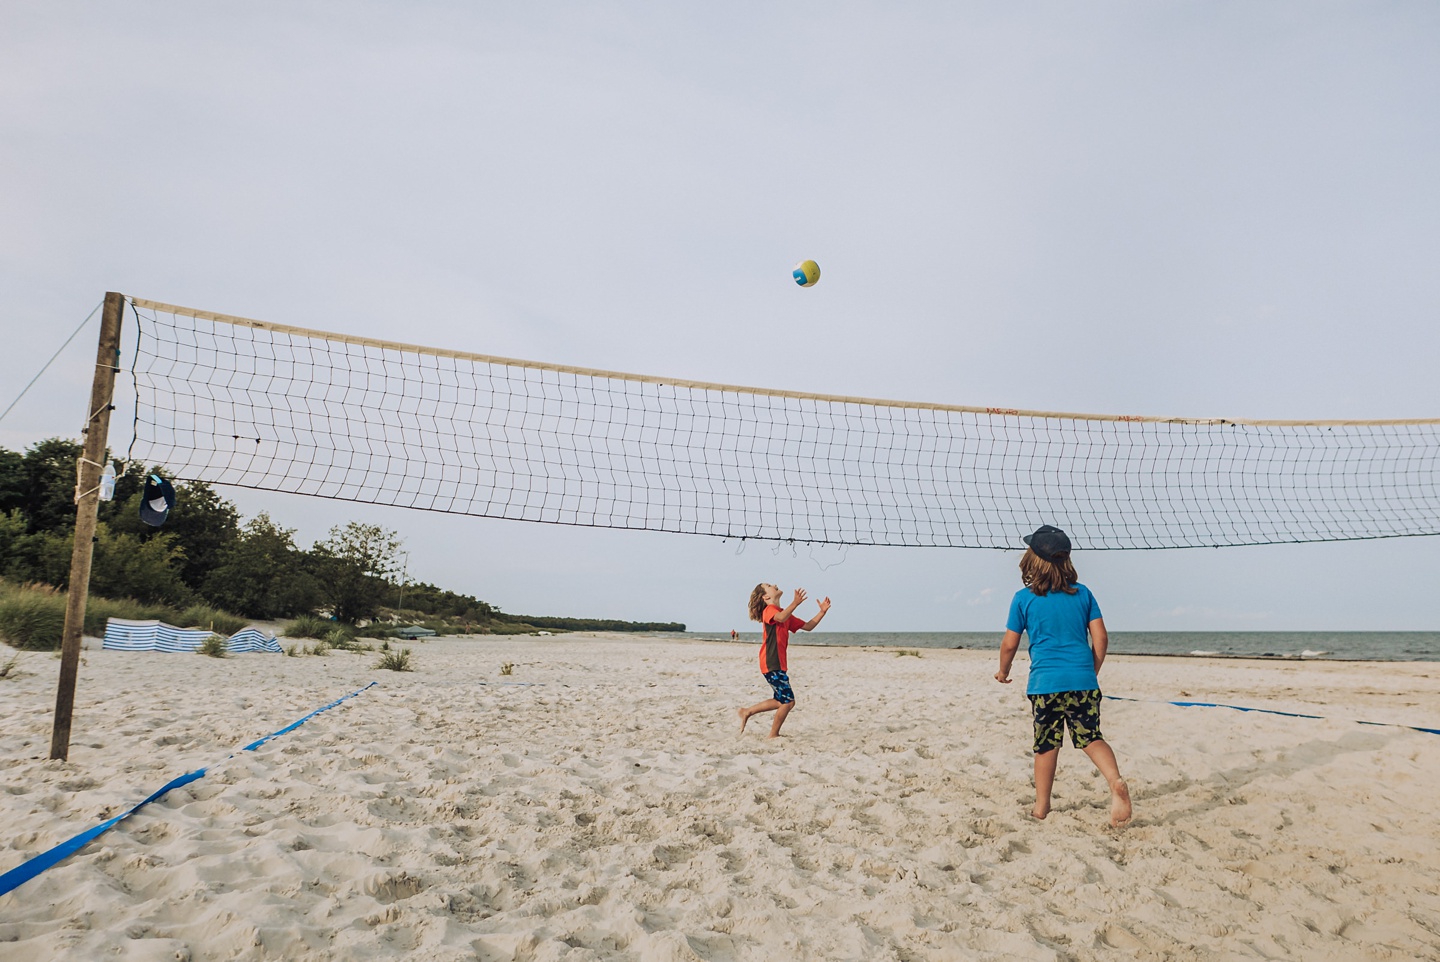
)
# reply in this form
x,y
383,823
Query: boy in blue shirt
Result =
x,y
1067,647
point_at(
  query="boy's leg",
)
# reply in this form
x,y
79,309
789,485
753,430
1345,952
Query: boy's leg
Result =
x,y
1049,736
780,714
783,701
764,706
1084,721
1045,764
1104,758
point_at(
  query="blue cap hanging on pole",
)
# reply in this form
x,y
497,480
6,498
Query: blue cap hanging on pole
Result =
x,y
156,501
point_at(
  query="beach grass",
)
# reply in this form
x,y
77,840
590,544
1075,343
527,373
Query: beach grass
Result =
x,y
32,616
340,639
309,626
214,646
397,660
204,616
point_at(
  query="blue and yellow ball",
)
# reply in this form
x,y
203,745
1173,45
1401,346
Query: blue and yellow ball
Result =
x,y
806,273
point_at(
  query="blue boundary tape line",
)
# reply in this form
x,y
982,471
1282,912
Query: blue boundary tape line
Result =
x,y
1268,711
30,868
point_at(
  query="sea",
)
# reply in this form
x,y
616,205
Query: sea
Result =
x,y
1293,645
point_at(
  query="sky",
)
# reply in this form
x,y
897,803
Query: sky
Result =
x,y
1185,209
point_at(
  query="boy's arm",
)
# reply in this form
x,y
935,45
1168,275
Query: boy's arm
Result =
x,y
1099,642
824,607
1008,648
784,616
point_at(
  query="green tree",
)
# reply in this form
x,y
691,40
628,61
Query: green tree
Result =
x,y
40,484
127,566
432,600
202,524
205,525
12,481
122,565
43,556
354,566
14,544
262,574
47,477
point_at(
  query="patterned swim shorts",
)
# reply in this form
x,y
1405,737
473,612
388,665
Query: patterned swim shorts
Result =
x,y
781,683
1077,710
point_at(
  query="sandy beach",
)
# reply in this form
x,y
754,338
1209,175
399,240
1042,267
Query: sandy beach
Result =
x,y
597,803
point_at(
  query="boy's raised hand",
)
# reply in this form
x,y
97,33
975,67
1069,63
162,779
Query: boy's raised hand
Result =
x,y
824,604
800,596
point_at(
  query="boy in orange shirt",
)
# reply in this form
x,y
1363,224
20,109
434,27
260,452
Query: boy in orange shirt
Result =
x,y
777,623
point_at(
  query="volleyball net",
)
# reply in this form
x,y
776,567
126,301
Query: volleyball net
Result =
x,y
231,401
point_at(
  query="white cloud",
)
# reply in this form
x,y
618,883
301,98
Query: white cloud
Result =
x,y
985,596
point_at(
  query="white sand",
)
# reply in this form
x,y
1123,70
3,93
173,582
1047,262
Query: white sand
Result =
x,y
605,809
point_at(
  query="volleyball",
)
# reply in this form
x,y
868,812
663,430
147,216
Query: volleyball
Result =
x,y
806,273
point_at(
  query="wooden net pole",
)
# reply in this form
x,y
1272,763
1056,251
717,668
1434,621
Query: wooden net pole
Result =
x,y
87,506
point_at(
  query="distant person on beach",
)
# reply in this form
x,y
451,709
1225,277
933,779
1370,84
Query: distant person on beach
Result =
x,y
1067,648
776,624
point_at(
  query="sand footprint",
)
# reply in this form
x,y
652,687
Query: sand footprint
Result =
x,y
1116,937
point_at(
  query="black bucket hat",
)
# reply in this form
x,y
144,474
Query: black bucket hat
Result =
x,y
1049,543
156,501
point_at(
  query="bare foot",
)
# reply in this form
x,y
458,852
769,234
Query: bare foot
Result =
x,y
1040,811
744,719
774,735
1119,802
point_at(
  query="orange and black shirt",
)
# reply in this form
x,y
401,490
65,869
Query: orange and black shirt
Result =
x,y
777,639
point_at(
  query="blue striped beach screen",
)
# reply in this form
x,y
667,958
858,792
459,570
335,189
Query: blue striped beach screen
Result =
x,y
123,634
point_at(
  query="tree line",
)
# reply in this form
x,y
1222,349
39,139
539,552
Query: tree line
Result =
x,y
206,554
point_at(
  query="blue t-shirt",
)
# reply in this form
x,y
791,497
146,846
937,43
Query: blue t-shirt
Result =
x,y
1058,625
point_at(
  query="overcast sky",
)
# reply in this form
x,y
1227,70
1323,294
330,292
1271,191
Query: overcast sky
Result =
x,y
1193,209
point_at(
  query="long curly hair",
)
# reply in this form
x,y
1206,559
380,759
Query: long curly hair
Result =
x,y
1043,577
757,602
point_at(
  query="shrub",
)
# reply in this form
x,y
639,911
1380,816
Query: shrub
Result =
x,y
214,646
398,660
125,566
510,628
33,617
291,652
508,668
339,638
309,626
99,610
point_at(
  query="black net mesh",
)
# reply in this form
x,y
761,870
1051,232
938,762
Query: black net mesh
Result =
x,y
261,406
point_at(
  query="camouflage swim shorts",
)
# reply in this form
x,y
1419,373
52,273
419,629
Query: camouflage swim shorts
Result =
x,y
780,682
1079,710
